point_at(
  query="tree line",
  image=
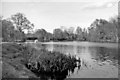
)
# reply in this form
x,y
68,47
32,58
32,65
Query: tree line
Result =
x,y
100,30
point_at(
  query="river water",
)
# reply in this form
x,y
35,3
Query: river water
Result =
x,y
98,60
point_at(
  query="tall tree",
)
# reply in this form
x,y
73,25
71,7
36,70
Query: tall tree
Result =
x,y
102,30
96,31
21,22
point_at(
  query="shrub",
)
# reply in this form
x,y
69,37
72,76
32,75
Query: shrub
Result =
x,y
50,62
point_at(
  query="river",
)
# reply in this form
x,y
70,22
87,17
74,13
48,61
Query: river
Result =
x,y
98,60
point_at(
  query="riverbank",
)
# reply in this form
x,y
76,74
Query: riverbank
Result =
x,y
25,61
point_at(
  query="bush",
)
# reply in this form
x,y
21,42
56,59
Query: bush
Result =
x,y
51,62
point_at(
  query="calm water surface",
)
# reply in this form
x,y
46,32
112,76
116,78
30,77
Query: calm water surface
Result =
x,y
99,60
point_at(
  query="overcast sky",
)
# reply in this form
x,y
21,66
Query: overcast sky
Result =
x,y
51,14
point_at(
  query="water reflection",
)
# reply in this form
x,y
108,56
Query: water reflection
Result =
x,y
97,61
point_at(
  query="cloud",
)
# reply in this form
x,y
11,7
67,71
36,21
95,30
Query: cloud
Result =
x,y
100,5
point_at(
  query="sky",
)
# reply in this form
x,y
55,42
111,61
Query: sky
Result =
x,y
51,14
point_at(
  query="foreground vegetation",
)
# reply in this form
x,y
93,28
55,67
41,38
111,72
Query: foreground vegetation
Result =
x,y
24,61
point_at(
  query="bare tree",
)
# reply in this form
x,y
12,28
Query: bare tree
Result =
x,y
21,22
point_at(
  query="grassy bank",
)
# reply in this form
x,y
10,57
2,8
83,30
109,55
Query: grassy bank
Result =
x,y
25,61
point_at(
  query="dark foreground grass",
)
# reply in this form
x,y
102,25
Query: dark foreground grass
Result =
x,y
13,62
24,61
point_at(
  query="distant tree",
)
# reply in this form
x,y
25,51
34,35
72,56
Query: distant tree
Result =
x,y
114,21
79,33
0,26
78,30
119,28
102,30
96,31
84,34
65,34
43,35
58,34
49,36
21,22
70,31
